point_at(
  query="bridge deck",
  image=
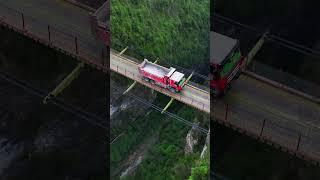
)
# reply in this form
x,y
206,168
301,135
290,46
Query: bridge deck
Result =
x,y
57,24
54,12
190,95
276,115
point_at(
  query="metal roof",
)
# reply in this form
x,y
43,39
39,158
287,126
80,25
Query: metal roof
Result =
x,y
220,47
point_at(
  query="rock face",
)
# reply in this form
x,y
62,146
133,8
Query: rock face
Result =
x,y
205,147
191,141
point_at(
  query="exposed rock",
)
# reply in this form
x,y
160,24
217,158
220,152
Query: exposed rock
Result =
x,y
205,147
191,140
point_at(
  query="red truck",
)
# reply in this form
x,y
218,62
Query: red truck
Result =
x,y
99,23
225,62
170,79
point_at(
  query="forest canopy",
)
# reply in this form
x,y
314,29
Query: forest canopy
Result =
x,y
176,31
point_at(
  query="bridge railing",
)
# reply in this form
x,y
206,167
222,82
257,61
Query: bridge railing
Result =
x,y
72,42
201,80
294,136
285,78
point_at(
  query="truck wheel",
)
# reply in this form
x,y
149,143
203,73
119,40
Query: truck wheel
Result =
x,y
145,79
152,81
172,90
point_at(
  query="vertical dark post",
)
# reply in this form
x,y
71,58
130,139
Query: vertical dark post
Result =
x,y
22,16
76,43
49,34
102,57
298,142
264,122
227,109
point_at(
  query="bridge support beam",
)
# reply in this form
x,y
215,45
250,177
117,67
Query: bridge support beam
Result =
x,y
130,87
188,79
255,49
135,82
124,50
167,106
65,83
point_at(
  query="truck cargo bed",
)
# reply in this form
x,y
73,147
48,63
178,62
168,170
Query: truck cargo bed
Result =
x,y
154,69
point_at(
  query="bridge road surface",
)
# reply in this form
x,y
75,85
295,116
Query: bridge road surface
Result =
x,y
54,12
69,25
286,116
190,95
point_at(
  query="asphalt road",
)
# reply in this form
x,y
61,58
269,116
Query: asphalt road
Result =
x,y
64,25
58,13
251,102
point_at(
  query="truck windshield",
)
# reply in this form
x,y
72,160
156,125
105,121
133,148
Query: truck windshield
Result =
x,y
182,81
230,64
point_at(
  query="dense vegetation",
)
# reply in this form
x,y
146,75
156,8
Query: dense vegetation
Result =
x,y
174,31
133,135
164,141
167,159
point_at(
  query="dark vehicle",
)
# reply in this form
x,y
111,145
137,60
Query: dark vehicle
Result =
x,y
225,62
99,23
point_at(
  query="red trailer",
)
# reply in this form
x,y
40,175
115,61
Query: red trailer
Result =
x,y
161,76
225,62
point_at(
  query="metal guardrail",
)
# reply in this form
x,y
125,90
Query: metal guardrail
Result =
x,y
285,78
84,48
135,51
298,138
